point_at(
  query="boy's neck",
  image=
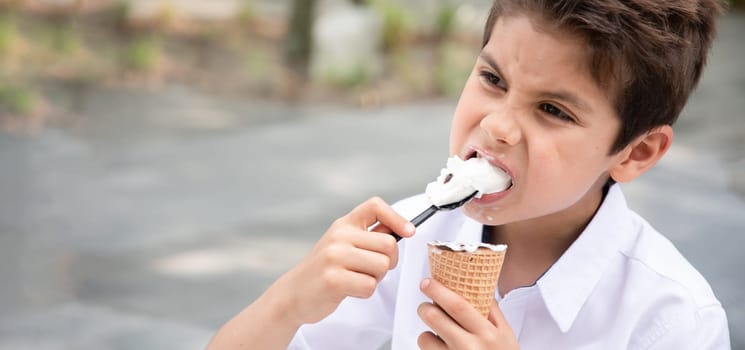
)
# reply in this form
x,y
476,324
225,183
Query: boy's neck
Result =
x,y
534,245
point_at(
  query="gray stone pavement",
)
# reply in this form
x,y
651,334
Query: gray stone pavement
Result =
x,y
156,215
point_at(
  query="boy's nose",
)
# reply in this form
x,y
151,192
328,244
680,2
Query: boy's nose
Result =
x,y
501,127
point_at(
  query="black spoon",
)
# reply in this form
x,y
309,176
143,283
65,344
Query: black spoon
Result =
x,y
427,213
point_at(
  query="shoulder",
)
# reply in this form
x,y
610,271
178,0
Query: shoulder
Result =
x,y
653,255
679,304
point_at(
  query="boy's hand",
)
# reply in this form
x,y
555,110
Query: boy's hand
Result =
x,y
458,325
347,261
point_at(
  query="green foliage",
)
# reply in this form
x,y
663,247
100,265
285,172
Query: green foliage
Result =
x,y
445,19
247,12
298,42
453,69
165,16
737,3
17,100
120,12
396,22
7,33
65,38
412,70
10,5
258,65
143,53
358,76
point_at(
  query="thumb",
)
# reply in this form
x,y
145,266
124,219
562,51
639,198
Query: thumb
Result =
x,y
506,335
496,317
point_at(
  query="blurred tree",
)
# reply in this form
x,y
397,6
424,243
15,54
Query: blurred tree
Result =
x,y
61,15
6,5
298,44
8,32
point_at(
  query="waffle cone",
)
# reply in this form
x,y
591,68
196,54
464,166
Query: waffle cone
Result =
x,y
472,275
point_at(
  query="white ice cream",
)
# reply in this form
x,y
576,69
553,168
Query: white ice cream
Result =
x,y
467,247
462,178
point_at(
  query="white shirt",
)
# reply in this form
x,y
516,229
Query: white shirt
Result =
x,y
620,285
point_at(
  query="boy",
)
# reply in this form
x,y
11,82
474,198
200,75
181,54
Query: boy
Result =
x,y
567,97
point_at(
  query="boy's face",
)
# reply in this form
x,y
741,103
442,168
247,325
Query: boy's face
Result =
x,y
531,107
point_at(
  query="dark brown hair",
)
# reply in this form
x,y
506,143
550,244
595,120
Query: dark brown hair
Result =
x,y
647,54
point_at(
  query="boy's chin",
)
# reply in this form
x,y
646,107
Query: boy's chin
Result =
x,y
484,216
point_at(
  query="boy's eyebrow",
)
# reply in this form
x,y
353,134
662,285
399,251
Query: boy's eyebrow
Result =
x,y
561,95
491,62
568,97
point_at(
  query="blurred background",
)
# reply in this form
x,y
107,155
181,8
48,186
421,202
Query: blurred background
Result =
x,y
164,161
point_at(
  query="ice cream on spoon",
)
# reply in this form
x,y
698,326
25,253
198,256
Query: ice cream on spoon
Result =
x,y
461,179
460,182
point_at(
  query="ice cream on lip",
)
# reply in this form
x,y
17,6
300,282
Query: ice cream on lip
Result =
x,y
462,178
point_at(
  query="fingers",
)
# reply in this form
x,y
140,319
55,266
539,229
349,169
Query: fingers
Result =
x,y
386,220
458,308
348,247
381,243
440,322
349,283
384,245
429,341
375,210
503,330
496,317
459,325
371,263
343,238
348,260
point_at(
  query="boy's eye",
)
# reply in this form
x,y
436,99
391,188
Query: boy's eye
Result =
x,y
556,112
492,79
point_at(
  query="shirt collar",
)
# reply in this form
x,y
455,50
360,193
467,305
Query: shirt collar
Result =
x,y
568,283
566,286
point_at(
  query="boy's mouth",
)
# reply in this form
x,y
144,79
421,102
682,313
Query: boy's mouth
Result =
x,y
476,153
462,180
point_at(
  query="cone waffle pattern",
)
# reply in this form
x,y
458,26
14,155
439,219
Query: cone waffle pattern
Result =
x,y
472,275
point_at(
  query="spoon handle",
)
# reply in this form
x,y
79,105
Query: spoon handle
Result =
x,y
426,214
419,219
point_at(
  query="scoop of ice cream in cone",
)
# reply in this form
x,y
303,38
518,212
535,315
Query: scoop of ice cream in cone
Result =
x,y
471,270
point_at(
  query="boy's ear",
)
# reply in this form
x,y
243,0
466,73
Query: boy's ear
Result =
x,y
642,154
